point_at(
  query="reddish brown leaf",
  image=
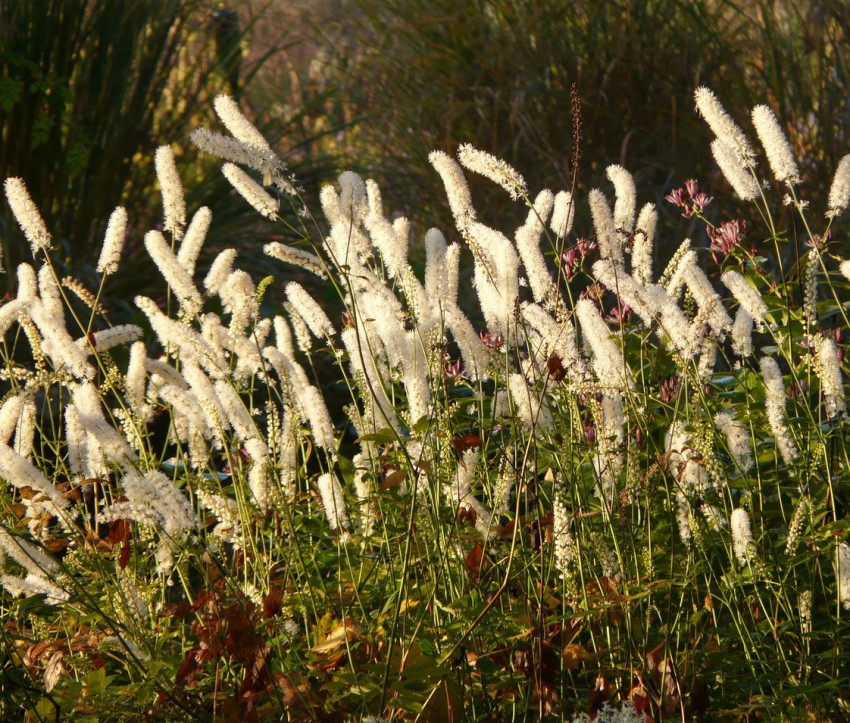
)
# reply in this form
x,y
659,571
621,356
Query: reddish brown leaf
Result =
x,y
53,670
124,555
34,653
176,609
188,668
393,479
639,696
119,531
699,697
242,642
272,603
474,559
466,441
466,514
556,367
57,545
575,654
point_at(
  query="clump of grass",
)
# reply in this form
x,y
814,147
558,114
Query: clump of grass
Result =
x,y
626,493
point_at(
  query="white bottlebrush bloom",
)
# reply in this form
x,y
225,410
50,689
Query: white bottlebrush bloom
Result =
x,y
626,199
232,149
640,298
99,431
563,214
51,296
295,257
235,121
839,192
684,461
561,536
11,412
737,440
363,362
496,278
174,274
181,338
741,180
531,408
204,389
742,333
238,295
457,189
845,269
109,338
27,215
236,414
27,555
775,408
842,573
435,268
259,476
113,242
644,239
333,501
353,201
829,370
497,170
20,472
804,604
603,223
683,517
134,381
283,336
776,145
558,338
25,428
307,308
153,499
196,234
374,201
319,418
220,270
34,585
608,362
173,200
28,282
9,313
528,237
745,294
723,126
265,204
742,536
392,246
58,344
75,436
707,299
475,355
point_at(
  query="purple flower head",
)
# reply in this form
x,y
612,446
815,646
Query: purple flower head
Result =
x,y
689,198
819,242
490,340
619,315
453,370
725,237
669,389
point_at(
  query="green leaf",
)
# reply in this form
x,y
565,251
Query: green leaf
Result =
x,y
97,682
382,436
10,92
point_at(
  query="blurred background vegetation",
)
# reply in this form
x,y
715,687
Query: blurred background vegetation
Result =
x,y
88,89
